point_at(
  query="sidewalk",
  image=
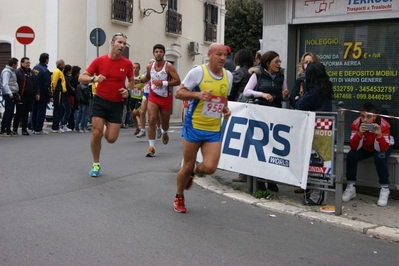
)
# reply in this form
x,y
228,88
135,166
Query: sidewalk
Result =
x,y
360,214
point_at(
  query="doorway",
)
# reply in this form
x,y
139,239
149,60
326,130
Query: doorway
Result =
x,y
5,54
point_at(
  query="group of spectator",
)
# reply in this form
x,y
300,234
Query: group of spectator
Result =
x,y
29,91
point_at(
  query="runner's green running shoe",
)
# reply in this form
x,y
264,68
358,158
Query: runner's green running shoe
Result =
x,y
95,170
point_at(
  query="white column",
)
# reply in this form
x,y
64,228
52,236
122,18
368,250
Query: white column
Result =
x,y
51,33
91,51
222,20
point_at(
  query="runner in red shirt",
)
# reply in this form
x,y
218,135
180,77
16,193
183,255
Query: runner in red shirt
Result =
x,y
111,72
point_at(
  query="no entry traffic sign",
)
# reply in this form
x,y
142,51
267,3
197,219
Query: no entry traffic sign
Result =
x,y
25,35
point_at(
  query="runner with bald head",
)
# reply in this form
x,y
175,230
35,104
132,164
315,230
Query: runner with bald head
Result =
x,y
206,87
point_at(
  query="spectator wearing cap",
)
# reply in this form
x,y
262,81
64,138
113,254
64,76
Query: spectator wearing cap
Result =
x,y
229,64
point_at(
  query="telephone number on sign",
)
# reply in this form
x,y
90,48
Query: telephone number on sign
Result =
x,y
343,88
342,96
378,97
388,89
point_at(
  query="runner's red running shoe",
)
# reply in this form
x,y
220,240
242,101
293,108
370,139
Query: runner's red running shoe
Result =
x,y
179,204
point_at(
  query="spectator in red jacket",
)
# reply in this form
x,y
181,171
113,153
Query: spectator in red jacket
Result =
x,y
370,137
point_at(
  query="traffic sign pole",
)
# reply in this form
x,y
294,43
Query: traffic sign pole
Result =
x,y
97,44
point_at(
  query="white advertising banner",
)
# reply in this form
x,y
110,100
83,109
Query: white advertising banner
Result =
x,y
269,143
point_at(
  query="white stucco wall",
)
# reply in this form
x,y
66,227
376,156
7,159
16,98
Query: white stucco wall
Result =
x,y
275,38
62,30
12,17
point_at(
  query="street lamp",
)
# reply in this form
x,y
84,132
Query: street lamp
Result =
x,y
148,11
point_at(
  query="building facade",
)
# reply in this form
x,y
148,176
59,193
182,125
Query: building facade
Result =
x,y
66,29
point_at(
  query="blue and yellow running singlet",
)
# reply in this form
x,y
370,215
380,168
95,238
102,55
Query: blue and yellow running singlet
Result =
x,y
206,115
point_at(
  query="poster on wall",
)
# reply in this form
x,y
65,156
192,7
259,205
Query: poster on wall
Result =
x,y
362,60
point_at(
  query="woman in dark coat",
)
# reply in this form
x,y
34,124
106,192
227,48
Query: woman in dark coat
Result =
x,y
318,97
319,88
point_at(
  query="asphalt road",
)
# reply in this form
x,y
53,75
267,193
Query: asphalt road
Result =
x,y
53,213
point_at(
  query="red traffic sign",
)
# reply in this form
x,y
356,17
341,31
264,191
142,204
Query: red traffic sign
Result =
x,y
25,35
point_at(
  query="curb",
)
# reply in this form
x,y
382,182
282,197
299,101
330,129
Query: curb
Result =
x,y
373,230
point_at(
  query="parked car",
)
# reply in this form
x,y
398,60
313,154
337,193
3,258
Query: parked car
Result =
x,y
1,106
49,112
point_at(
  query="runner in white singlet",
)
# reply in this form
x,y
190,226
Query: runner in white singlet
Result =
x,y
163,77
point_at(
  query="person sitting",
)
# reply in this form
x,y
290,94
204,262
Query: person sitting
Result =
x,y
370,137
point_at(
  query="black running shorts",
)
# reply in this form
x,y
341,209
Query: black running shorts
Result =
x,y
110,111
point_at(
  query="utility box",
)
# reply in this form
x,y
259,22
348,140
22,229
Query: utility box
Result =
x,y
193,48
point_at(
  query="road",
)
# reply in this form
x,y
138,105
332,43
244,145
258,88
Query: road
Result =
x,y
53,213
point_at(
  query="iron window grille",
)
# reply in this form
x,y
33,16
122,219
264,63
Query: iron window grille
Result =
x,y
173,22
122,11
210,21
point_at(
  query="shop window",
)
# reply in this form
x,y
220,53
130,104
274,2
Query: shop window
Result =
x,y
362,60
122,12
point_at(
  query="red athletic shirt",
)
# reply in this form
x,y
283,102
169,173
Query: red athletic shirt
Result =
x,y
115,71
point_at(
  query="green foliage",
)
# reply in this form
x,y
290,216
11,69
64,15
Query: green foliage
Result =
x,y
262,194
243,25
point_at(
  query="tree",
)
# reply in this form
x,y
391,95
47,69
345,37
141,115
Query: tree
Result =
x,y
243,25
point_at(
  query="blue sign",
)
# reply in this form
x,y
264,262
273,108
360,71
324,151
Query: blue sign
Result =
x,y
97,37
